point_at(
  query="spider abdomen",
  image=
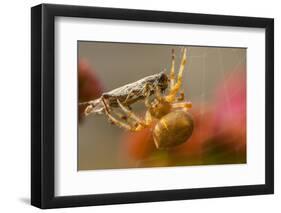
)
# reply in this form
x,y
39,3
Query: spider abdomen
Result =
x,y
173,129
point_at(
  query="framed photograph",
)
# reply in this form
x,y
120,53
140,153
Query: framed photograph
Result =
x,y
139,106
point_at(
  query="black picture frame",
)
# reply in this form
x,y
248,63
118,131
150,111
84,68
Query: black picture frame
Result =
x,y
43,102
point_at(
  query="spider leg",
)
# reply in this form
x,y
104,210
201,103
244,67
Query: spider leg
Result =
x,y
131,114
148,118
115,121
134,125
182,105
121,116
172,71
174,90
181,96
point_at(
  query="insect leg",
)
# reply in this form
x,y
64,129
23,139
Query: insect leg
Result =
x,y
129,96
89,106
147,94
158,94
93,106
88,110
173,91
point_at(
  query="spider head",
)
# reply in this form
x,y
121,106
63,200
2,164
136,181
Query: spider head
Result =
x,y
159,108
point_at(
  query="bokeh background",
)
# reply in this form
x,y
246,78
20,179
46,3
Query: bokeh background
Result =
x,y
214,81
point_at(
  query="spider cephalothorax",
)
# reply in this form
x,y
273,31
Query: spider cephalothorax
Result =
x,y
167,114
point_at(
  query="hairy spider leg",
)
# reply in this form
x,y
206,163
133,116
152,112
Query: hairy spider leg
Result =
x,y
174,90
181,96
172,70
131,114
124,117
148,117
182,105
115,121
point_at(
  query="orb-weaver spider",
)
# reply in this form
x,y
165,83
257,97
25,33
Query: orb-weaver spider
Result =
x,y
166,115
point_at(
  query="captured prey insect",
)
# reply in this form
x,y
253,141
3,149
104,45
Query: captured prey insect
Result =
x,y
127,94
167,115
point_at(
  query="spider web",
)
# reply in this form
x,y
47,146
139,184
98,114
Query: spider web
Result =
x,y
224,74
205,94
